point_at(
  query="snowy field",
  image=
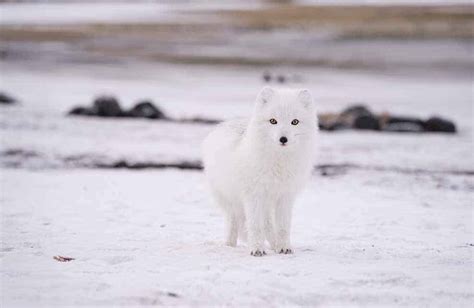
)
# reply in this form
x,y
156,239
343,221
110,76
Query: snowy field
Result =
x,y
386,220
395,231
109,12
151,238
184,91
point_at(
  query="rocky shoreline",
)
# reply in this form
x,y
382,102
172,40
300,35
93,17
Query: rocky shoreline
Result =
x,y
361,117
357,117
20,158
109,107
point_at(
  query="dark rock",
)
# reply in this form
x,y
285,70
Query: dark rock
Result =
x,y
267,77
146,109
337,126
436,124
184,165
20,153
330,170
393,120
281,79
403,127
366,122
401,124
359,117
107,106
82,111
6,99
172,294
356,111
330,122
199,120
332,126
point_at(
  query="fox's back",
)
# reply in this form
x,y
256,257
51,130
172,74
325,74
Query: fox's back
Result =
x,y
219,149
226,136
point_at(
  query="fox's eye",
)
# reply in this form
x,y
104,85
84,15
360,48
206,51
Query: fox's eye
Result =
x,y
295,122
273,121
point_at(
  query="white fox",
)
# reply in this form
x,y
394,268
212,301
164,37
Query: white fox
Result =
x,y
255,167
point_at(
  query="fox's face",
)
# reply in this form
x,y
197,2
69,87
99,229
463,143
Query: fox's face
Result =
x,y
284,118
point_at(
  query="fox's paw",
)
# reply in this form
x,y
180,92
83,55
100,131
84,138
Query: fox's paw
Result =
x,y
258,253
285,251
231,243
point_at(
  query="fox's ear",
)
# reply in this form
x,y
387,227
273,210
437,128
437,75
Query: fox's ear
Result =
x,y
265,95
304,96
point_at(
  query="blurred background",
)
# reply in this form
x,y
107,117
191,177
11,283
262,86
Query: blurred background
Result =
x,y
91,86
206,60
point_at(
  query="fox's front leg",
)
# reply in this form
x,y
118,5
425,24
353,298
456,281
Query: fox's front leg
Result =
x,y
283,216
254,212
269,225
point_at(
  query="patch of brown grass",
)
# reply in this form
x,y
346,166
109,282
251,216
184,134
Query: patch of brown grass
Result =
x,y
32,34
345,21
364,21
76,32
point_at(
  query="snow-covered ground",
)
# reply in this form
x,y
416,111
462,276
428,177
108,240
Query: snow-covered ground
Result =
x,y
150,238
184,91
387,219
111,12
396,231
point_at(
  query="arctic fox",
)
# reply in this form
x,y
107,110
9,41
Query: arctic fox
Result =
x,y
256,167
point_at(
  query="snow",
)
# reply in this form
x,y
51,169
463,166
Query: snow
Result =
x,y
363,239
395,229
110,12
73,13
189,91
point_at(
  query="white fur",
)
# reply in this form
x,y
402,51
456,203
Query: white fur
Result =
x,y
253,177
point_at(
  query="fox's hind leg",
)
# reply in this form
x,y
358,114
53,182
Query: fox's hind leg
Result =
x,y
236,225
243,234
232,229
231,219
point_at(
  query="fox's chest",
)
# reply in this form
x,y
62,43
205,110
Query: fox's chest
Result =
x,y
274,173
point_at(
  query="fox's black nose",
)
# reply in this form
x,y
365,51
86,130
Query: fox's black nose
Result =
x,y
283,140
